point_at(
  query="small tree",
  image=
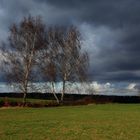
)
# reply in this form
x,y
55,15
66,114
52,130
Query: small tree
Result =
x,y
63,58
49,55
73,62
25,41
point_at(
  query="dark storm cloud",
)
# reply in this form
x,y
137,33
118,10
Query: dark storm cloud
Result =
x,y
110,12
110,29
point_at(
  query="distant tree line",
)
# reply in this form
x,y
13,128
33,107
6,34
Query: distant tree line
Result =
x,y
53,53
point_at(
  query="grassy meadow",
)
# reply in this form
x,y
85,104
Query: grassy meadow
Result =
x,y
91,122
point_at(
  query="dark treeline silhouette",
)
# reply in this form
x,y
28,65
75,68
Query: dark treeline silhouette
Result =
x,y
78,98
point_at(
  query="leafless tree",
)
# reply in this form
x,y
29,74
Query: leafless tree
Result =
x,y
26,39
63,59
49,55
73,62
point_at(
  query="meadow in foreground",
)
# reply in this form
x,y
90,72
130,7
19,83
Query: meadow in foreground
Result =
x,y
91,122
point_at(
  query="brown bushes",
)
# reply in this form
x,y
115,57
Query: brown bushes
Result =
x,y
13,102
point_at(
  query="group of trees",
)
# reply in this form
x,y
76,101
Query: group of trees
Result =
x,y
35,50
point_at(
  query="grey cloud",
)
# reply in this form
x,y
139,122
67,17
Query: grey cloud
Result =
x,y
110,12
110,30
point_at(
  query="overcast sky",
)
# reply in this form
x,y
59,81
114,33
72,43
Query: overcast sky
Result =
x,y
110,30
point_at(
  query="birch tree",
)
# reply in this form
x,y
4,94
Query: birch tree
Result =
x,y
26,39
73,62
63,60
49,57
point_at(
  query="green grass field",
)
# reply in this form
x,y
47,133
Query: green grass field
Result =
x,y
91,122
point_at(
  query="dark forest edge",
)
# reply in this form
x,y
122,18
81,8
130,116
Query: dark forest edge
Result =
x,y
47,99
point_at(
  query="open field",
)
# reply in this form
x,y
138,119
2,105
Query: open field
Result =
x,y
91,122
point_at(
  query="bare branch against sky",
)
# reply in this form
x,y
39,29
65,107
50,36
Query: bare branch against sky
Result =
x,y
25,41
